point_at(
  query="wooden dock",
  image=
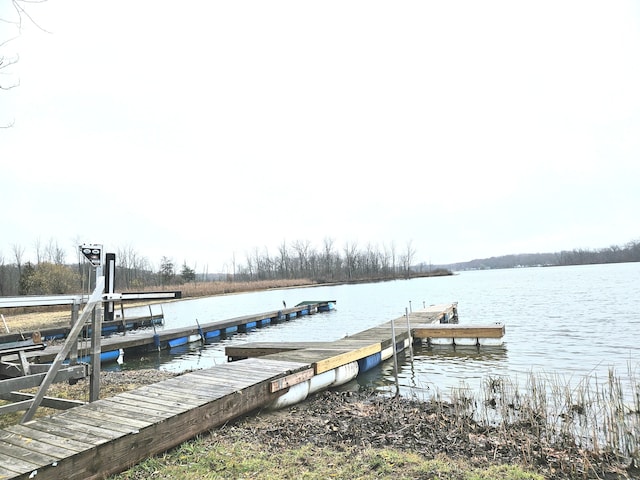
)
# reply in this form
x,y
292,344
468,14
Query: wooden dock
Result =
x,y
110,435
166,338
107,436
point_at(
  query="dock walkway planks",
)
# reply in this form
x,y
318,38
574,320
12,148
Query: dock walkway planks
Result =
x,y
145,339
109,435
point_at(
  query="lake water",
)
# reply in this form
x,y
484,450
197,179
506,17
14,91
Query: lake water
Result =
x,y
569,322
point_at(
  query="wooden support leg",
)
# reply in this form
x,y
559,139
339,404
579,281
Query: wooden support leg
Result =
x,y
25,363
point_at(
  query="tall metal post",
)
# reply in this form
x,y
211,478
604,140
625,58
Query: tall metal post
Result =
x,y
95,254
406,313
96,350
73,354
110,284
96,347
395,357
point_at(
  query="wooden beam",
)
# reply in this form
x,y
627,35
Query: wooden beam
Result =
x,y
290,380
448,330
260,349
20,383
51,402
344,358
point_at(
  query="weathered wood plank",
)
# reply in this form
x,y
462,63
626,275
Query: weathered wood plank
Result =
x,y
80,431
129,449
167,391
127,411
4,473
292,379
160,403
24,454
448,330
139,403
206,393
36,445
218,381
48,438
260,349
93,412
15,464
308,356
81,416
344,358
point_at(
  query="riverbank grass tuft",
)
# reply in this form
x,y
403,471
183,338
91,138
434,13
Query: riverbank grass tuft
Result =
x,y
208,458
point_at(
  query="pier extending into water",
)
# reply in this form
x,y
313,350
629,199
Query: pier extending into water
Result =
x,y
110,435
159,339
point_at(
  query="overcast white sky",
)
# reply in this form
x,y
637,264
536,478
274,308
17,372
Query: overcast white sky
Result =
x,y
196,130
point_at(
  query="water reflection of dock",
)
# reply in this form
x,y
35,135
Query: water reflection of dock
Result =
x,y
108,435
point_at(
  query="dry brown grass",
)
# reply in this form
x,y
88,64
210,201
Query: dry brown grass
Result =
x,y
208,289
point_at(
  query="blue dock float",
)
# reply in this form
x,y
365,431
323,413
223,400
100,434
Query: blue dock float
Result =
x,y
367,363
324,306
176,342
105,357
159,339
247,327
212,334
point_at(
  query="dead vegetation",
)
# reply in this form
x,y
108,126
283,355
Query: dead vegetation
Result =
x,y
366,420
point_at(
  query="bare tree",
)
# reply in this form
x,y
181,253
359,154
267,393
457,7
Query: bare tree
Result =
x,y
328,258
350,252
408,256
18,252
37,245
15,16
302,250
54,254
5,63
283,260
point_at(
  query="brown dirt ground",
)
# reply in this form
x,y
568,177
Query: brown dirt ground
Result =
x,y
367,419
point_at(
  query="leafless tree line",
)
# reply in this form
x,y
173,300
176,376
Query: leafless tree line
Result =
x,y
51,274
613,254
328,263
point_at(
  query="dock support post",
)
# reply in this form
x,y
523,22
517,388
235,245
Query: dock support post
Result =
x,y
96,332
73,353
409,335
94,299
395,357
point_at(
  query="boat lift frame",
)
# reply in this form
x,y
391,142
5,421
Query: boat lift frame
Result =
x,y
93,309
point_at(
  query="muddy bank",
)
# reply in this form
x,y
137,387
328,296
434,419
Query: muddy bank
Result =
x,y
370,420
366,419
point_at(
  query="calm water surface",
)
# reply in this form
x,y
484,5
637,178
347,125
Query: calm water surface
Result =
x,y
569,322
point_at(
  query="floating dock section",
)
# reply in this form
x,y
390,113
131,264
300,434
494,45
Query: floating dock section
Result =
x,y
107,436
159,339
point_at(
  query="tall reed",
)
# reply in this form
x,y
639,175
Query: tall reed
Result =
x,y
592,416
